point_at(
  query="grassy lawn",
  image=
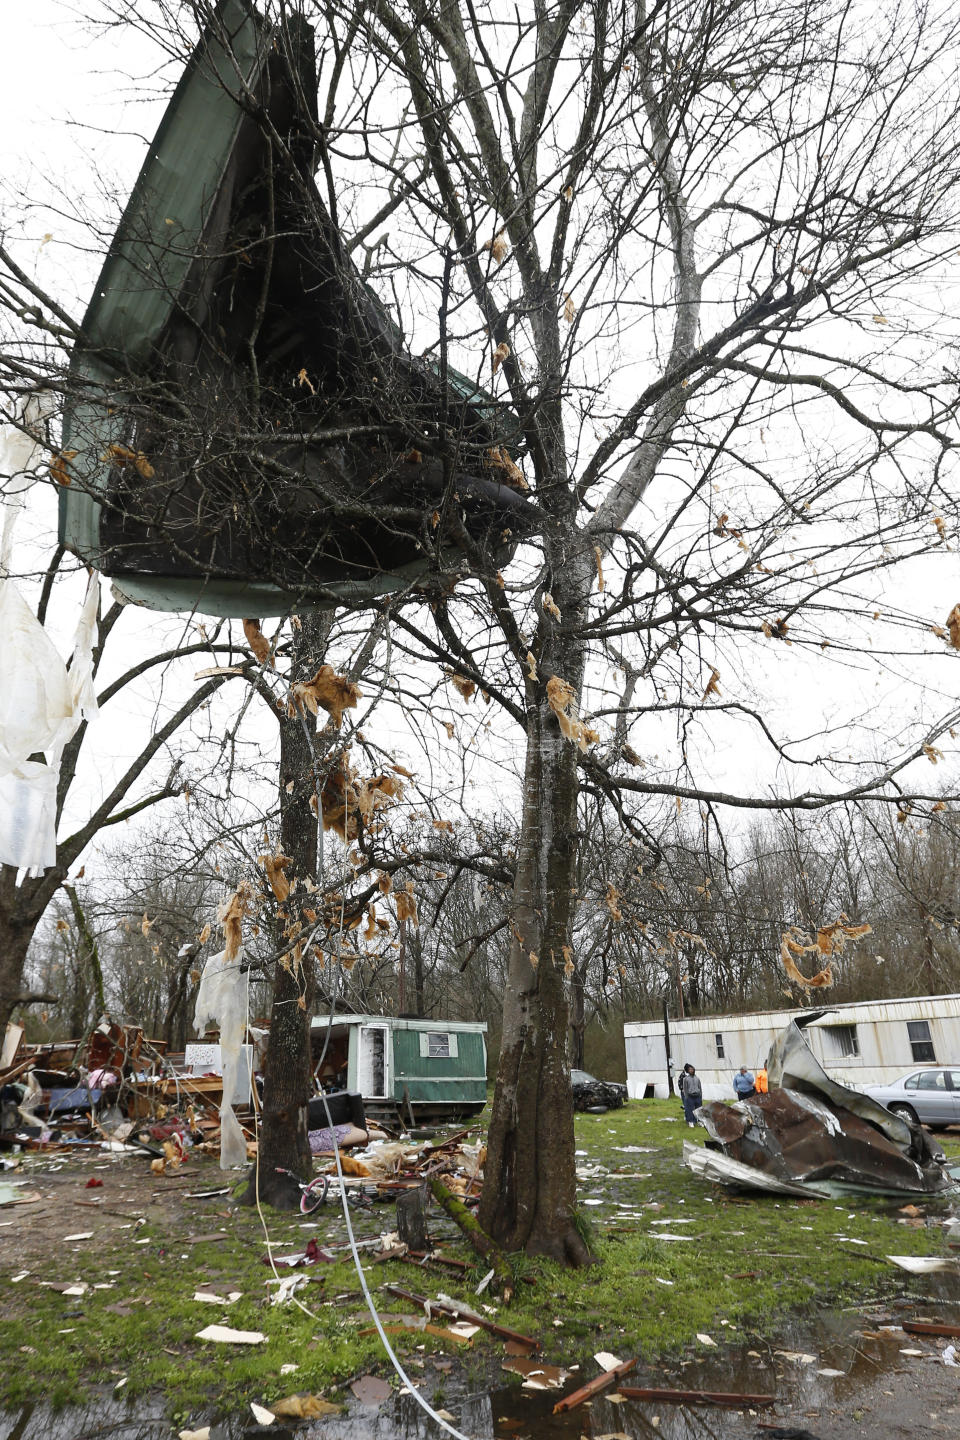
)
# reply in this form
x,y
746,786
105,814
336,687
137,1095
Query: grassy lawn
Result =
x,y
744,1262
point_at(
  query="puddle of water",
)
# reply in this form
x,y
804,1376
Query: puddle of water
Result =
x,y
837,1341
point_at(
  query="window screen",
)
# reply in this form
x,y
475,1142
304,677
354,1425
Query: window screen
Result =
x,y
438,1045
921,1044
720,1051
843,1039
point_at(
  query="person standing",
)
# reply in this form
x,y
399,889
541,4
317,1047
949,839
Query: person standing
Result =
x,y
691,1093
743,1085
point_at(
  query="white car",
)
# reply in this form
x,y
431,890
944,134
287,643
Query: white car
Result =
x,y
931,1095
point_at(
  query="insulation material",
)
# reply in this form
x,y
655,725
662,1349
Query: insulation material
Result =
x,y
28,817
41,707
35,698
222,1002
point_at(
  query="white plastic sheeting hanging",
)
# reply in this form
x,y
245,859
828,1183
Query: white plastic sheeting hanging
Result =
x,y
41,702
222,1001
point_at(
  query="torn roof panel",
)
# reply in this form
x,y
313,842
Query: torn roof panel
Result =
x,y
246,428
809,1132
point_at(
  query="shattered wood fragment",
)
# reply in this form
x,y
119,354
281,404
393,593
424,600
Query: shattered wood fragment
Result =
x,y
724,1398
464,1311
593,1387
926,1327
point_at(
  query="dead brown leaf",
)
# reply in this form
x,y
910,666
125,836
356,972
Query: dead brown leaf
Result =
x,y
335,693
258,642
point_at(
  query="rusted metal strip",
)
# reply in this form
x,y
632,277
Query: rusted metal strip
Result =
x,y
698,1397
593,1387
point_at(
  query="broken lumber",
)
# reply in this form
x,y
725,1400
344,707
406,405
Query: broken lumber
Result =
x,y
593,1387
479,1239
697,1397
463,1312
927,1327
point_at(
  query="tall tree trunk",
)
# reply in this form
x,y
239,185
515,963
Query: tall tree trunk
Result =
x,y
284,1158
16,932
529,1193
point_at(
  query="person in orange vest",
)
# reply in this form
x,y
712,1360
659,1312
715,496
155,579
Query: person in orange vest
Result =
x,y
760,1081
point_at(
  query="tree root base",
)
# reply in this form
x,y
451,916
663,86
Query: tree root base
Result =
x,y
278,1190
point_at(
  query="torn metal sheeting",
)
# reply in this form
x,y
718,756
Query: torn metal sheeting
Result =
x,y
809,1135
229,289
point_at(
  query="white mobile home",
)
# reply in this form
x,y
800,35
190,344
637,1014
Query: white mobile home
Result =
x,y
860,1043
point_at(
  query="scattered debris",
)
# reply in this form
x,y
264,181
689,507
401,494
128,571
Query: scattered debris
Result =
x,y
536,1374
611,1375
925,1264
371,1390
926,1327
809,1135
223,1335
732,1400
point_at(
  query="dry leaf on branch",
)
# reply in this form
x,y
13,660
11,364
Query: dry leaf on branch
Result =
x,y
712,687
630,755
830,940
461,684
258,642
569,309
275,867
933,754
953,626
501,353
146,925
407,904
562,700
941,528
612,901
122,455
231,913
499,458
204,935
385,884
499,247
776,629
58,466
304,381
335,693
550,605
568,965
598,557
531,666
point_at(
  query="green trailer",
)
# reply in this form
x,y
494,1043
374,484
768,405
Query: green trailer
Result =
x,y
404,1067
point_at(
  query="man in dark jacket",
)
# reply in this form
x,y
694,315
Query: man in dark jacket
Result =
x,y
691,1093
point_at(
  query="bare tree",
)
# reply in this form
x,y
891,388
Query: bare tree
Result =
x,y
692,249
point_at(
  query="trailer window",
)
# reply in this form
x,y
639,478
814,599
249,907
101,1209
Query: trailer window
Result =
x,y
843,1039
720,1052
438,1045
921,1044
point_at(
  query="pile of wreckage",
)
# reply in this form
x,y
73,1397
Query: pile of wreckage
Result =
x,y
810,1136
113,1089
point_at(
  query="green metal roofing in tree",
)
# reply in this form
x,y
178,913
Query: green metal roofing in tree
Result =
x,y
245,430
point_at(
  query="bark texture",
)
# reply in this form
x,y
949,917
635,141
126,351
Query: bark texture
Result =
x,y
284,1156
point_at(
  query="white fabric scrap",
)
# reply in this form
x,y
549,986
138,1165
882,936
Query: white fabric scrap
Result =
x,y
222,1001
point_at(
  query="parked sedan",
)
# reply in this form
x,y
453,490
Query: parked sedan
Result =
x,y
596,1095
930,1096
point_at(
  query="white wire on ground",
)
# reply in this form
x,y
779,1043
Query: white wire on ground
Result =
x,y
392,1356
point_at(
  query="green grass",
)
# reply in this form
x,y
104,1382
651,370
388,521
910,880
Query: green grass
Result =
x,y
749,1261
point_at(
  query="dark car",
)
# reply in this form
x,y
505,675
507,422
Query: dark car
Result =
x,y
596,1095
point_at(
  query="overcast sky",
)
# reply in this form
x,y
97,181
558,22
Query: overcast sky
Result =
x,y
70,123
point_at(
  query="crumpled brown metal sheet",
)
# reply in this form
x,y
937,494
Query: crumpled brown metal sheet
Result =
x,y
810,1130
